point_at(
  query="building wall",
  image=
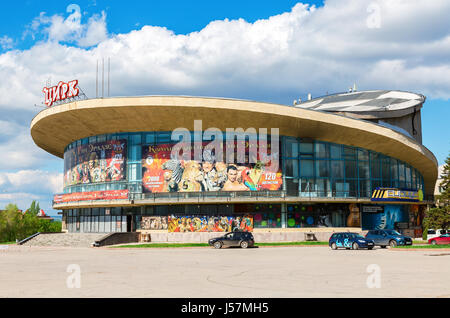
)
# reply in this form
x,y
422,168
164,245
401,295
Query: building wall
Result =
x,y
310,168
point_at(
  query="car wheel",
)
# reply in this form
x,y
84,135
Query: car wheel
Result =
x,y
433,242
369,248
383,246
392,243
217,244
355,246
244,244
333,246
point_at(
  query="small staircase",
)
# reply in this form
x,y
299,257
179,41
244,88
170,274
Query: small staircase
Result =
x,y
64,239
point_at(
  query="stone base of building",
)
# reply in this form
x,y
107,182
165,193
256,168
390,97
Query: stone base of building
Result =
x,y
260,235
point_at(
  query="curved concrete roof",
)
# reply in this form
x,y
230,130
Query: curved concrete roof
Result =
x,y
56,127
383,103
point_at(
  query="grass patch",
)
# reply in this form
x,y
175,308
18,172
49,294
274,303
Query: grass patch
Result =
x,y
162,245
291,243
425,246
179,245
7,243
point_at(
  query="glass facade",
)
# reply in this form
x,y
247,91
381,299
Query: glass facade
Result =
x,y
310,168
264,216
314,168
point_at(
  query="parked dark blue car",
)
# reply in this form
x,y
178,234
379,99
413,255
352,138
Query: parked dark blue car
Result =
x,y
392,238
349,241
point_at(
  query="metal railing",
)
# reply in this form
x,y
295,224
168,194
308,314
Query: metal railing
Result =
x,y
254,195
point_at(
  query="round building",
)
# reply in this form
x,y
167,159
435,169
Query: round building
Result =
x,y
343,162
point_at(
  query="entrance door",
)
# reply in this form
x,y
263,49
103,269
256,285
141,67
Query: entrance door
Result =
x,y
130,223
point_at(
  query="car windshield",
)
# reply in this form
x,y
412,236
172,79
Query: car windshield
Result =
x,y
392,232
356,236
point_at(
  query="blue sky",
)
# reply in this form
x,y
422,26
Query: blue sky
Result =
x,y
274,51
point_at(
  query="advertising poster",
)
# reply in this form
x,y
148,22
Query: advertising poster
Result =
x,y
93,163
210,223
160,173
91,196
154,223
387,219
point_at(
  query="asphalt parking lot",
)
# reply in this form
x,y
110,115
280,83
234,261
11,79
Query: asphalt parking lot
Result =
x,y
233,272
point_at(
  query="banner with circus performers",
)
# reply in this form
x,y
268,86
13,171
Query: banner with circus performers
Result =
x,y
161,173
94,163
184,224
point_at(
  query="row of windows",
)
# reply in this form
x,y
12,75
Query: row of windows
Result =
x,y
97,224
309,166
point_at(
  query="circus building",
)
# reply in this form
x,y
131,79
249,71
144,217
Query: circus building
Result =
x,y
351,161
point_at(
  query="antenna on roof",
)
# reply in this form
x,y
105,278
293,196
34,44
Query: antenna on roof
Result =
x,y
96,82
109,72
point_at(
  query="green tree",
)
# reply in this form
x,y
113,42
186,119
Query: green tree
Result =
x,y
10,223
17,225
444,197
437,218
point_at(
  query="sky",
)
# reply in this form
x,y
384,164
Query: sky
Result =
x,y
270,51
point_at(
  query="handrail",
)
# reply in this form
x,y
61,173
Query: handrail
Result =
x,y
28,238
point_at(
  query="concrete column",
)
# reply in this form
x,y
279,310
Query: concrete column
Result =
x,y
284,215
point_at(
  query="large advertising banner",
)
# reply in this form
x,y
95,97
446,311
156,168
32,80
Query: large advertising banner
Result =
x,y
210,223
93,163
386,218
91,196
161,173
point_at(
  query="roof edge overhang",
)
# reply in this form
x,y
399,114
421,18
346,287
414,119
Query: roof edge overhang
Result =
x,y
54,128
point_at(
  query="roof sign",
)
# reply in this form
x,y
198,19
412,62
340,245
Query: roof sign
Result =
x,y
60,92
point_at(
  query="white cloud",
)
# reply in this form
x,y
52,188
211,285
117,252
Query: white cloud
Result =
x,y
308,49
57,29
33,181
6,43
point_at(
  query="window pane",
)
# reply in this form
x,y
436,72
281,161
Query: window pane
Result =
x,y
349,153
164,137
150,138
306,168
307,187
136,139
363,167
401,173
306,147
375,166
291,168
364,188
408,177
292,187
350,169
322,168
394,169
322,150
385,170
335,151
363,155
337,169
341,188
291,148
323,188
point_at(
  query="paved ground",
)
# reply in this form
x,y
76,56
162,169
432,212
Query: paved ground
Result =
x,y
204,272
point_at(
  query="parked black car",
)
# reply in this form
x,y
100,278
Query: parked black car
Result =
x,y
242,239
